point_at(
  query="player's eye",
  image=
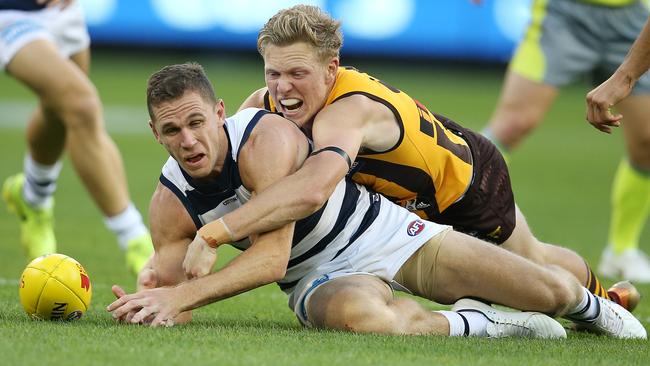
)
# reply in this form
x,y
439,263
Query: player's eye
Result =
x,y
170,131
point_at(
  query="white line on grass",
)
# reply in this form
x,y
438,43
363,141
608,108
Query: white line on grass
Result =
x,y
118,118
8,281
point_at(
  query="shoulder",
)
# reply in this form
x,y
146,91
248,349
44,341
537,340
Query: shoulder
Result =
x,y
255,100
276,148
352,109
275,130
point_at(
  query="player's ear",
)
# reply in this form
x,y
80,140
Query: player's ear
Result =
x,y
156,135
332,68
220,110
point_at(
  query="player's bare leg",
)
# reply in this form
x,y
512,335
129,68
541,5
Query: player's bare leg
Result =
x,y
513,119
70,116
66,92
465,266
622,258
366,304
523,242
516,115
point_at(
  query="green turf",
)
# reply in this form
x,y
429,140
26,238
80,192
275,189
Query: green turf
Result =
x,y
561,177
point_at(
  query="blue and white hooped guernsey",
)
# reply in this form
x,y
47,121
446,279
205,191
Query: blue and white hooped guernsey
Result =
x,y
318,238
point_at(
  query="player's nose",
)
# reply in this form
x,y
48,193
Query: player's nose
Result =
x,y
284,85
187,139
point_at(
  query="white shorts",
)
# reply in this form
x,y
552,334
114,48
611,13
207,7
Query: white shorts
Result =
x,y
380,251
65,28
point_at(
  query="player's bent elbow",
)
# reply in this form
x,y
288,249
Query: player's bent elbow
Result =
x,y
277,271
277,275
273,269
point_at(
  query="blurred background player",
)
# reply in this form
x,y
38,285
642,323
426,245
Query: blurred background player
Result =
x,y
46,47
565,40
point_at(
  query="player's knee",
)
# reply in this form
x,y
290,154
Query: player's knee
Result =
x,y
78,108
361,318
346,308
514,128
82,114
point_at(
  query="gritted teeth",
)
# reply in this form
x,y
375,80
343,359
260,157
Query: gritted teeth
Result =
x,y
291,103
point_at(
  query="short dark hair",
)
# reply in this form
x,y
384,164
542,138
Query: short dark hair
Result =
x,y
173,81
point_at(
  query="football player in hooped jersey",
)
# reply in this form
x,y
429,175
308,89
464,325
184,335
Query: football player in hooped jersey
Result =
x,y
336,265
422,161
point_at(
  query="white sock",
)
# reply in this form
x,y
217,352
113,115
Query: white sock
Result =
x,y
587,309
40,181
469,323
126,225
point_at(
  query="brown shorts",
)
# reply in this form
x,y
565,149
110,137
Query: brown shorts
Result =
x,y
487,210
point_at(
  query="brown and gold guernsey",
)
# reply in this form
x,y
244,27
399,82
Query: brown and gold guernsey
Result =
x,y
428,169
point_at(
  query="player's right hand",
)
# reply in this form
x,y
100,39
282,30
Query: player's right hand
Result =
x,y
199,259
603,98
146,279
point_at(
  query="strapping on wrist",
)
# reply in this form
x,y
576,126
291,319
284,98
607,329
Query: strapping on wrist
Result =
x,y
216,233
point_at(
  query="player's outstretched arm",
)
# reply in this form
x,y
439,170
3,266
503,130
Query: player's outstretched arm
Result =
x,y
619,85
171,229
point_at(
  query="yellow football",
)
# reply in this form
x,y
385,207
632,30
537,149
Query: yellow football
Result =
x,y
55,287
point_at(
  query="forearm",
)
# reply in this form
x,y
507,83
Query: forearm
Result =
x,y
290,199
637,61
259,265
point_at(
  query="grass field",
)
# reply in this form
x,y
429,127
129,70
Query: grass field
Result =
x,y
561,177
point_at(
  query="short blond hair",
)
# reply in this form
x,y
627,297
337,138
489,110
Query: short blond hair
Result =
x,y
303,23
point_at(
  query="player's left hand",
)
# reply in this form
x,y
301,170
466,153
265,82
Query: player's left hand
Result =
x,y
199,259
158,306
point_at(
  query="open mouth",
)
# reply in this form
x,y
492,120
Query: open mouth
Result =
x,y
194,158
291,104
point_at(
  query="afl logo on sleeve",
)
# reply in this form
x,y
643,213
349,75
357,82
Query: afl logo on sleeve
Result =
x,y
415,227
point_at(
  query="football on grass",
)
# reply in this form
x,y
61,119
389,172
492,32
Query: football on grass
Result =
x,y
55,287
